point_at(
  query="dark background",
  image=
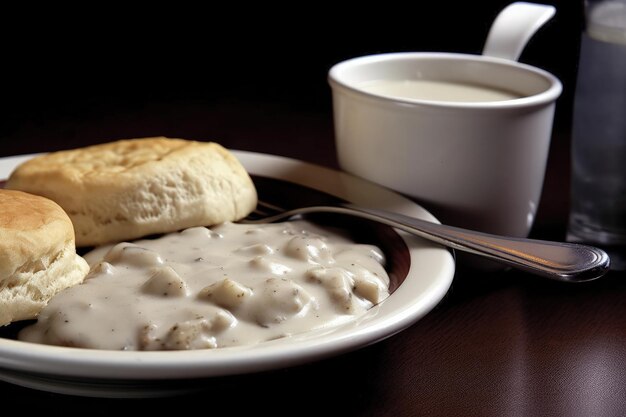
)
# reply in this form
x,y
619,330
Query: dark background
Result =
x,y
251,78
109,74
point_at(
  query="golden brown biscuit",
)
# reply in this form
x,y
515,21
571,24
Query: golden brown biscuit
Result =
x,y
131,188
37,254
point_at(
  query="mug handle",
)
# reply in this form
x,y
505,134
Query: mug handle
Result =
x,y
514,27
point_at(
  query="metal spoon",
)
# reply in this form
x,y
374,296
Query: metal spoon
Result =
x,y
560,261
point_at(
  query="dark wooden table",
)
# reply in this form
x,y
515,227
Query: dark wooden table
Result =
x,y
501,344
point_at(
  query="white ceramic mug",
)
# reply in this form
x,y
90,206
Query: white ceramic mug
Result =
x,y
475,164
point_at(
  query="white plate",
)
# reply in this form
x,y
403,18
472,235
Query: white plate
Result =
x,y
129,374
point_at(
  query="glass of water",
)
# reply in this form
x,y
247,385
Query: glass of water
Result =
x,y
598,203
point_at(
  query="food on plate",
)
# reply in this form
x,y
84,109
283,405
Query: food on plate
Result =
x,y
37,254
229,285
132,188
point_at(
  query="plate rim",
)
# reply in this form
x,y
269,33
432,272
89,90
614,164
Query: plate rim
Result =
x,y
311,346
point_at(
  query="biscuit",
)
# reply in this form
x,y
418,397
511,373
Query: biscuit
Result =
x,y
37,254
132,188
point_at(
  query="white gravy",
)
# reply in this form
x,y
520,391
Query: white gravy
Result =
x,y
436,90
230,285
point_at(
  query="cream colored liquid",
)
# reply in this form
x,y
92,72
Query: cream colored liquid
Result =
x,y
203,288
436,91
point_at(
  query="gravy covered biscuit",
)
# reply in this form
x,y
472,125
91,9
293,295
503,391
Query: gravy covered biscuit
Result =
x,y
37,254
131,188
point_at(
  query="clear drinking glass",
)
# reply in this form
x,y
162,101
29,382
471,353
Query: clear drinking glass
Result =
x,y
598,193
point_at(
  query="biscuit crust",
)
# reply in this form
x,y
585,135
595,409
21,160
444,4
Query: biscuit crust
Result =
x,y
37,254
131,188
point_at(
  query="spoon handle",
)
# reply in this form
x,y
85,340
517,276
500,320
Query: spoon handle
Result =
x,y
557,260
